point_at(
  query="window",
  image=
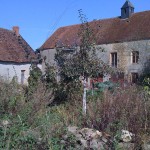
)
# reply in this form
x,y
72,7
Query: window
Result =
x,y
125,11
113,59
135,56
134,77
22,76
132,10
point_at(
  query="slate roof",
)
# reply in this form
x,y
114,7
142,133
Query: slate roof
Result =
x,y
14,48
127,4
106,31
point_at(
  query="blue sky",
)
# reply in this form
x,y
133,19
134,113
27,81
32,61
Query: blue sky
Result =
x,y
38,19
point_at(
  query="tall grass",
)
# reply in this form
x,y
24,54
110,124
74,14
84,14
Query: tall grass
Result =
x,y
22,112
33,124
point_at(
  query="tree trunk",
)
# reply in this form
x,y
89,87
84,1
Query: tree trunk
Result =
x,y
84,98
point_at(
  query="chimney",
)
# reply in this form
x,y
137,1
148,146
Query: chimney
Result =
x,y
16,30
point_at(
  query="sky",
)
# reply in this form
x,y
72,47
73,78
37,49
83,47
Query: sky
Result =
x,y
38,19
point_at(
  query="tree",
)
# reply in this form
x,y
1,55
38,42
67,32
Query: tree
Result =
x,y
83,62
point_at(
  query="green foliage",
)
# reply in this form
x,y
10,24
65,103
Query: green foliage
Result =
x,y
33,125
12,135
10,97
54,144
78,61
50,77
146,83
21,115
84,61
35,76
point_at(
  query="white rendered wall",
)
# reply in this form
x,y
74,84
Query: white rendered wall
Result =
x,y
8,71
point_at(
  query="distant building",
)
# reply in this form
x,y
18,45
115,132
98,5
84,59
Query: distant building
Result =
x,y
124,40
15,56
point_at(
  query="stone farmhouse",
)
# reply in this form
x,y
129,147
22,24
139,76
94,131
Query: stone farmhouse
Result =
x,y
15,56
124,41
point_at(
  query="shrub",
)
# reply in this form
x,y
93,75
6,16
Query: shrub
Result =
x,y
22,115
35,76
123,109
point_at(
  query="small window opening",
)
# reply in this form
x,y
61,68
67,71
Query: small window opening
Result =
x,y
125,11
113,59
22,76
135,57
132,10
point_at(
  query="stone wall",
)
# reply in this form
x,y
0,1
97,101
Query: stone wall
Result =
x,y
48,56
124,55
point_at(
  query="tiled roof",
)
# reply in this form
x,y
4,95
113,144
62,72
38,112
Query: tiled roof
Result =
x,y
14,48
112,30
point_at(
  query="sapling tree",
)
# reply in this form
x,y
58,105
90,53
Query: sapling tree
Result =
x,y
83,63
35,75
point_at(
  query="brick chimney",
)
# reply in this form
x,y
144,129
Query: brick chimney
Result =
x,y
16,30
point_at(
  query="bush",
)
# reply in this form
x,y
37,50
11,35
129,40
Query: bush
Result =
x,y
20,116
32,124
124,109
35,76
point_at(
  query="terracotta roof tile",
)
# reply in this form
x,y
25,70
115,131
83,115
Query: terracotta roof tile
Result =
x,y
112,30
14,48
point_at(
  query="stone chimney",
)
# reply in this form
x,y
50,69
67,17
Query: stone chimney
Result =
x,y
16,30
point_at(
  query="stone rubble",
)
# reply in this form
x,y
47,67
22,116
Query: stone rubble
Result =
x,y
86,138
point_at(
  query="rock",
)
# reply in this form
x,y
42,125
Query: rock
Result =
x,y
146,146
126,136
78,136
63,142
65,137
89,134
96,134
84,143
104,140
86,133
126,146
87,138
73,129
96,144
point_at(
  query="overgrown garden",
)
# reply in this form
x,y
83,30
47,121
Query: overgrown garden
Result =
x,y
36,116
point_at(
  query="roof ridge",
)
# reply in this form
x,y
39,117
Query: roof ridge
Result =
x,y
13,48
103,19
112,30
